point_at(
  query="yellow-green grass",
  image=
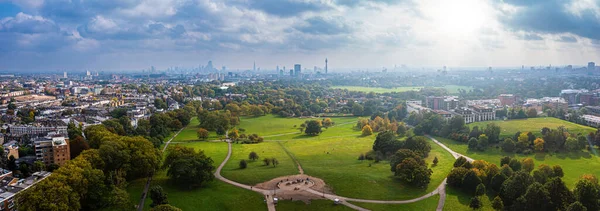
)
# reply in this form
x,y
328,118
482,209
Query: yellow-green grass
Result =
x,y
189,133
272,127
458,200
315,205
574,164
534,125
214,195
453,89
257,172
423,205
335,160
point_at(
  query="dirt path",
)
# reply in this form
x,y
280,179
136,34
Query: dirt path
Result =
x,y
292,157
140,206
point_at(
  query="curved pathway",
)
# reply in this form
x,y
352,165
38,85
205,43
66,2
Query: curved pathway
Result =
x,y
441,189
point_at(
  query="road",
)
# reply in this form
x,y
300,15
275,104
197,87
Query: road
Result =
x,y
140,206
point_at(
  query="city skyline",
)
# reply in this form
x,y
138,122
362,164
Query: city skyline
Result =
x,y
37,35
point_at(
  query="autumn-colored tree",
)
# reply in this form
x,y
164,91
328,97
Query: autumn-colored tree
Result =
x,y
367,130
538,145
202,133
327,122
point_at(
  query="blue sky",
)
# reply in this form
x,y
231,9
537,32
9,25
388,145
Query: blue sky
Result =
x,y
61,35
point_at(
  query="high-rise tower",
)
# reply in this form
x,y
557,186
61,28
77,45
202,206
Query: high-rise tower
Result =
x,y
254,67
325,65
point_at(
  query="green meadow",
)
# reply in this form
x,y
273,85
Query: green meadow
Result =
x,y
534,125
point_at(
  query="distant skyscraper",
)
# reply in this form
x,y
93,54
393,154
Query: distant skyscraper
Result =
x,y
254,67
291,72
64,74
87,73
297,70
152,69
277,68
591,66
325,65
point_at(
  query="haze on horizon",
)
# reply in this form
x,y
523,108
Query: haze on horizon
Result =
x,y
135,34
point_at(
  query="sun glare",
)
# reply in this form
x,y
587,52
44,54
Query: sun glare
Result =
x,y
459,17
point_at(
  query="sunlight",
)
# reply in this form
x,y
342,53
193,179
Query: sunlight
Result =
x,y
459,17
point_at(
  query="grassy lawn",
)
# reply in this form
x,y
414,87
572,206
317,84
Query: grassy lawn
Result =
x,y
272,127
453,89
189,133
457,200
574,164
423,205
534,125
348,176
256,172
315,205
215,195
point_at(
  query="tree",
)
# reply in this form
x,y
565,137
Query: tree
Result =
x,y
471,181
38,166
274,162
12,163
560,195
267,161
535,198
475,132
492,131
412,172
253,156
460,161
158,196
233,134
313,127
538,145
496,182
367,130
77,146
576,206
165,207
49,194
497,204
480,190
243,164
456,176
386,143
403,154
528,165
523,142
435,161
515,164
587,192
482,142
202,133
532,113
472,144
402,128
327,122
572,144
508,145
475,203
557,171
418,144
357,110
189,168
514,187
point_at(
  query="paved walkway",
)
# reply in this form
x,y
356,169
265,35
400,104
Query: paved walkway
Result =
x,y
145,192
454,154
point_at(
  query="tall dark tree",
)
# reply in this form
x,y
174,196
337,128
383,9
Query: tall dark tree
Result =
x,y
535,198
313,127
386,143
158,196
587,192
560,195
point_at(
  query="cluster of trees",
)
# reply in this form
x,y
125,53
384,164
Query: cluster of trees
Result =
x,y
315,127
552,140
518,186
455,129
156,128
517,113
159,200
218,121
378,124
187,167
406,157
96,178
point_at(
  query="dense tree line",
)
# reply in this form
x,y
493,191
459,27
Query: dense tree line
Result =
x,y
96,178
517,186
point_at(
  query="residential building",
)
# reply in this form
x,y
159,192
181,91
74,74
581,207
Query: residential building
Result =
x,y
591,120
414,102
442,103
41,128
52,149
10,186
507,99
410,108
572,95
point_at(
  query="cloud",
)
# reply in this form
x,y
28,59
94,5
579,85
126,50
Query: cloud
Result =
x,y
27,24
102,28
530,36
568,39
552,17
287,8
322,25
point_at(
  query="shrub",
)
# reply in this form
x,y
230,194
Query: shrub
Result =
x,y
243,164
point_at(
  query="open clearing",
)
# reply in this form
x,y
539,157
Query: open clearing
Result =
x,y
534,125
423,205
189,133
452,89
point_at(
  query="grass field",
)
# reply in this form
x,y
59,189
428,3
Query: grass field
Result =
x,y
423,205
257,172
534,125
272,127
315,205
453,89
215,195
574,164
334,159
189,133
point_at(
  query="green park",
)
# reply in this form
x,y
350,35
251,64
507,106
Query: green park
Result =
x,y
452,89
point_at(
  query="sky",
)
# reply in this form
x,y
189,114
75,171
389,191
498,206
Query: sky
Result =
x,y
56,35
